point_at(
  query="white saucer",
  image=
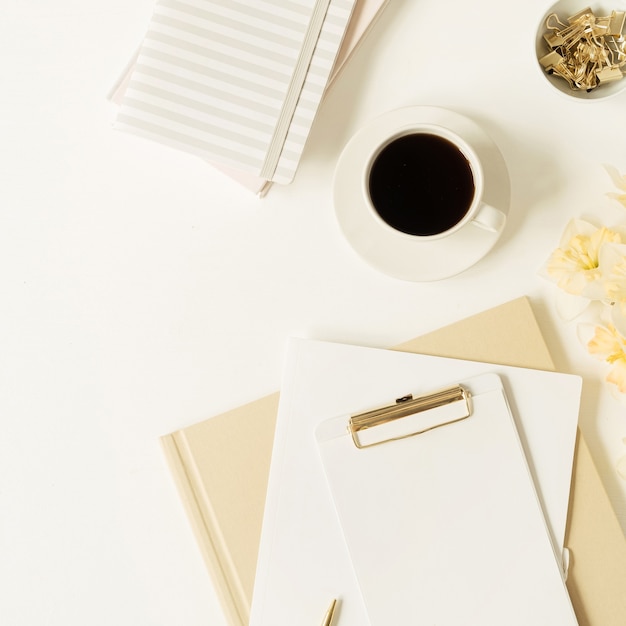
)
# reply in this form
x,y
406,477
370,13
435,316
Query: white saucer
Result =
x,y
395,253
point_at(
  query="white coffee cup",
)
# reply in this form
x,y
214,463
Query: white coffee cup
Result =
x,y
411,257
426,182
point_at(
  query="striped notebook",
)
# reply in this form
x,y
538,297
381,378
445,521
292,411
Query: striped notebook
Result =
x,y
234,81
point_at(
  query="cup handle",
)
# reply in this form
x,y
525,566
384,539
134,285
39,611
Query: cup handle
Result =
x,y
489,218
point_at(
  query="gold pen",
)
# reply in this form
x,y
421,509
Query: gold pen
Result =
x,y
328,618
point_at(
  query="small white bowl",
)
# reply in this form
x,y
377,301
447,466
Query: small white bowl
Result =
x,y
565,9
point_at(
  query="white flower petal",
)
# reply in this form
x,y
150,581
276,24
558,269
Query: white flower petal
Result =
x,y
618,318
618,180
619,197
594,290
570,306
576,227
611,254
606,315
585,333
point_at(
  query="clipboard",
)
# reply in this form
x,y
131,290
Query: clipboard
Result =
x,y
439,511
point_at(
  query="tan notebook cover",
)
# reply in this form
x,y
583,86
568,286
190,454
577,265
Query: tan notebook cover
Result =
x,y
221,467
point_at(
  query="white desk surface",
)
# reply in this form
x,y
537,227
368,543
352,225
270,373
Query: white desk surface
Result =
x,y
142,291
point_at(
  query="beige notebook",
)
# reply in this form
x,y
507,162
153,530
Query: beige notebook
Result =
x,y
221,467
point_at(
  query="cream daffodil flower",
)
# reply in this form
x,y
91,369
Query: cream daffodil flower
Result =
x,y
612,261
612,264
574,265
589,267
619,181
610,345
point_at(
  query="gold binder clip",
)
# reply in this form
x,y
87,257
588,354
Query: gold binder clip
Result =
x,y
410,416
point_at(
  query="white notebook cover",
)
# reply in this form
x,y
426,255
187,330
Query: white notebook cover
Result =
x,y
444,527
236,83
363,17
303,559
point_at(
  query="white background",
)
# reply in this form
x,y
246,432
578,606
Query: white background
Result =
x,y
143,291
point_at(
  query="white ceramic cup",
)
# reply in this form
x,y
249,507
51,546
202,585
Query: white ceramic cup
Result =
x,y
477,212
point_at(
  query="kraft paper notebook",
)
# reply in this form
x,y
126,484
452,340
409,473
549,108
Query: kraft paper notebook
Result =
x,y
436,501
235,83
364,15
221,466
483,488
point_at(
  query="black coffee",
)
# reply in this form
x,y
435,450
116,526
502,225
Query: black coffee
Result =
x,y
421,184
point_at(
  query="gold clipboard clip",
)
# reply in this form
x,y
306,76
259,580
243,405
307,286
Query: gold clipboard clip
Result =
x,y
418,416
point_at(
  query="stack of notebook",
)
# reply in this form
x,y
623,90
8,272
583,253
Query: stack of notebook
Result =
x,y
239,84
222,467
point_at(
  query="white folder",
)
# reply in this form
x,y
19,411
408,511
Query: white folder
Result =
x,y
303,558
440,514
